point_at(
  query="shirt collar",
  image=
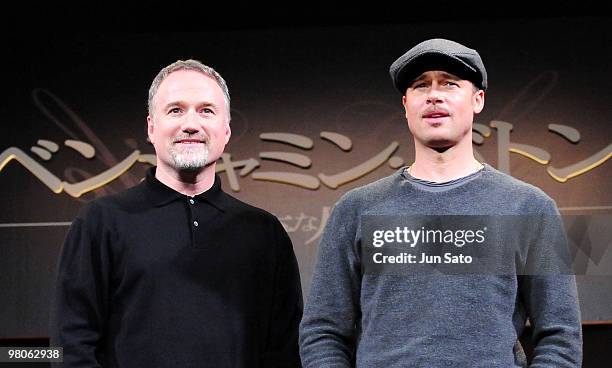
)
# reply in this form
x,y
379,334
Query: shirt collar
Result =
x,y
162,194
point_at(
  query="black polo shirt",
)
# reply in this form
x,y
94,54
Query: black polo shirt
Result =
x,y
151,277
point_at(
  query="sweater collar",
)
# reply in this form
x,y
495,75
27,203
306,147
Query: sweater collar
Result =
x,y
162,194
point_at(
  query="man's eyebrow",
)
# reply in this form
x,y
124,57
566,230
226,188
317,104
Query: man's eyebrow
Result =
x,y
450,76
206,103
173,103
183,103
418,78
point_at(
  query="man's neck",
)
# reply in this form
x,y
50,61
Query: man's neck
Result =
x,y
190,183
453,163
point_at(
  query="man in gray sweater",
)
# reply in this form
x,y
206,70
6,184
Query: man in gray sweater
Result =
x,y
355,318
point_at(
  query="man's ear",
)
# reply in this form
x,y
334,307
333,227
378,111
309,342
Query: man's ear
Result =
x,y
478,101
150,128
228,132
404,100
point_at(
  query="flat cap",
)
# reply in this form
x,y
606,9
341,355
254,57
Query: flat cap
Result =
x,y
438,54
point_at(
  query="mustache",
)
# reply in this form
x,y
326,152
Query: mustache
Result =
x,y
435,110
201,137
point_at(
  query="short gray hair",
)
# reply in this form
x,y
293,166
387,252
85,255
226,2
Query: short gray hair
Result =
x,y
188,65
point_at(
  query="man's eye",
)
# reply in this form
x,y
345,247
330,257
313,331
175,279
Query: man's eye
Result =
x,y
206,110
174,110
451,83
419,85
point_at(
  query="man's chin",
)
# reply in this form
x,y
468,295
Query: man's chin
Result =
x,y
440,144
191,165
190,161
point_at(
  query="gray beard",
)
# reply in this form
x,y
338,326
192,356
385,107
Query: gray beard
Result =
x,y
190,159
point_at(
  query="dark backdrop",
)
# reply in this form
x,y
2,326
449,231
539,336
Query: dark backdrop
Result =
x,y
305,81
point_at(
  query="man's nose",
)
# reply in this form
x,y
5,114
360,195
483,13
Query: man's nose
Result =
x,y
190,123
434,96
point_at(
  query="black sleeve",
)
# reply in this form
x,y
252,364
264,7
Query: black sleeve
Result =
x,y
79,307
287,307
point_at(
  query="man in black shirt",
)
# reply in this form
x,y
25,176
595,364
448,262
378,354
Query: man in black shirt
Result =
x,y
174,272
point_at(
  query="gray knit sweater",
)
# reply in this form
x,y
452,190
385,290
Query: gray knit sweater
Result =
x,y
362,320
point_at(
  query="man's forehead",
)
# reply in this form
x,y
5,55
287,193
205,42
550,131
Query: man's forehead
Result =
x,y
430,74
185,80
188,86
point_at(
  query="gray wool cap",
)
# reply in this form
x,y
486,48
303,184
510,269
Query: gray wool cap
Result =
x,y
438,54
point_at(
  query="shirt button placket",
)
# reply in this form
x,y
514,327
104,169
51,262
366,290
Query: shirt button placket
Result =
x,y
192,202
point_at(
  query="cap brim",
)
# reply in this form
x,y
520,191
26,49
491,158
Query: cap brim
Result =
x,y
434,61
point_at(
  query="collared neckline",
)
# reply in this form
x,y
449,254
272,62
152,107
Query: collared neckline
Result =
x,y
162,194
